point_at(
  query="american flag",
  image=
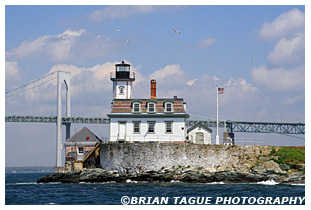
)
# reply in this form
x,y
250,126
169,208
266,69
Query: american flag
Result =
x,y
220,90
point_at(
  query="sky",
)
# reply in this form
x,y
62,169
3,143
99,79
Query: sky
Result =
x,y
256,53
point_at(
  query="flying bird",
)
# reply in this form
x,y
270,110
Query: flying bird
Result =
x,y
117,30
254,59
127,40
177,32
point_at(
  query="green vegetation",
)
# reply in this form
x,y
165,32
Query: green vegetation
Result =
x,y
289,155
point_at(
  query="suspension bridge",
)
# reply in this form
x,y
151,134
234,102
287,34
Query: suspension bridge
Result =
x,y
55,80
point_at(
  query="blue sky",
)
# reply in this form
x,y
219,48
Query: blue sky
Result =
x,y
216,45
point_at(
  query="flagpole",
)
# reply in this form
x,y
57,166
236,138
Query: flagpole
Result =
x,y
217,136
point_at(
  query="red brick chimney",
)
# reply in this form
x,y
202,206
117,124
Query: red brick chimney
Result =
x,y
153,85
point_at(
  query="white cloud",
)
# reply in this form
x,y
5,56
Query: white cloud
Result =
x,y
279,79
55,47
206,43
74,70
241,99
170,80
237,90
12,71
98,74
242,85
294,100
167,72
114,12
68,46
202,44
215,78
288,23
288,52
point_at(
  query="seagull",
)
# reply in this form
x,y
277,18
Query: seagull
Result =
x,y
117,30
177,32
127,40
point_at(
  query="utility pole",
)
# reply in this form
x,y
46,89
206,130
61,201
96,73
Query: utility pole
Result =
x,y
217,136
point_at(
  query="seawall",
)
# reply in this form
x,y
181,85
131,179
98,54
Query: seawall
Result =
x,y
138,157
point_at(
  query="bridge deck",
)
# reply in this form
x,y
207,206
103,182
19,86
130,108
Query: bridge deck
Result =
x,y
231,126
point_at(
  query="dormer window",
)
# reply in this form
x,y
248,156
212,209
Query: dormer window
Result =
x,y
80,151
136,107
151,107
168,107
121,90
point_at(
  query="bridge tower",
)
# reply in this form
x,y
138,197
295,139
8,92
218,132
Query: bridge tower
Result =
x,y
122,81
61,77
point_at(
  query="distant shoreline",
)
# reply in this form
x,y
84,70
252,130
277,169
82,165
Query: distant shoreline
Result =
x,y
28,169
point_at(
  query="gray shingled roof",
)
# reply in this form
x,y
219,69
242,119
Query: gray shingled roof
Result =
x,y
84,136
199,125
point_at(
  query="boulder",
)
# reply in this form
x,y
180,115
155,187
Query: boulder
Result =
x,y
269,167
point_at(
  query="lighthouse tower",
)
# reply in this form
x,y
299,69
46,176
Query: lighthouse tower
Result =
x,y
122,81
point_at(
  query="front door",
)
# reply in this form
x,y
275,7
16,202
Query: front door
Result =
x,y
122,131
199,137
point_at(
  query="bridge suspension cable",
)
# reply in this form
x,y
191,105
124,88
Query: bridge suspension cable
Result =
x,y
94,84
11,92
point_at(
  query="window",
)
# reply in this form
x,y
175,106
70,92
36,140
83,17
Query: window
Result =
x,y
136,107
151,107
123,68
168,107
168,127
151,126
80,150
136,126
121,90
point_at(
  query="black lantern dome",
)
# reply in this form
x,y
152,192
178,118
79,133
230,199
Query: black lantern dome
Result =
x,y
122,72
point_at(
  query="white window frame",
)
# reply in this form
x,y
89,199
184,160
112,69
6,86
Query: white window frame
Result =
x,y
154,108
166,126
121,90
78,150
154,124
166,108
139,107
139,123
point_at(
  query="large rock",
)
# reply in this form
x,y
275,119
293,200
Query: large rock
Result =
x,y
296,177
269,167
191,175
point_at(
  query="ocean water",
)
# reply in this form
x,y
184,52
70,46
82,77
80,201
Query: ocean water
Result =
x,y
22,189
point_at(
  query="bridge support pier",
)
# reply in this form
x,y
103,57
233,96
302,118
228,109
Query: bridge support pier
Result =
x,y
67,130
61,77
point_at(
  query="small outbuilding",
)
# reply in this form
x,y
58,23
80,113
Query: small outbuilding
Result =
x,y
200,134
82,150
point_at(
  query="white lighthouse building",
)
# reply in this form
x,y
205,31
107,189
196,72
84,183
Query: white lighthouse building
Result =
x,y
122,81
137,120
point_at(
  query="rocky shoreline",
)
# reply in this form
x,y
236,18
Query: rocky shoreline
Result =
x,y
269,170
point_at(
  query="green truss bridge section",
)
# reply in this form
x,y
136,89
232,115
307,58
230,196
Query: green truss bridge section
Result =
x,y
254,127
230,126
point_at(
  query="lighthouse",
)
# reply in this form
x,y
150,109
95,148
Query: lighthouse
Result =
x,y
122,81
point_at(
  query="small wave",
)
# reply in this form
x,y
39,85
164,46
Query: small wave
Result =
x,y
268,182
52,183
22,183
175,181
298,184
109,182
216,183
50,204
83,183
130,181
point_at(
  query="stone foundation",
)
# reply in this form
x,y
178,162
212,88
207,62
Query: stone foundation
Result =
x,y
137,157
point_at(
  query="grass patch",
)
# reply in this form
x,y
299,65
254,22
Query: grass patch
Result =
x,y
289,155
